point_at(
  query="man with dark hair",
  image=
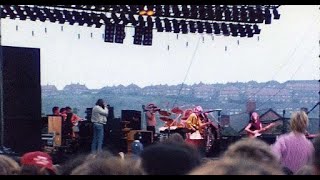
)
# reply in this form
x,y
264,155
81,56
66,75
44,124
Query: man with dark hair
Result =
x,y
99,119
169,159
55,111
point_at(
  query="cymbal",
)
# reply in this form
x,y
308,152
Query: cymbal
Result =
x,y
166,119
164,113
177,110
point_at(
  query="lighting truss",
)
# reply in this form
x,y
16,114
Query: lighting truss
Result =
x,y
227,20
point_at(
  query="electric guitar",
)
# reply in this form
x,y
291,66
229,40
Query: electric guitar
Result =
x,y
257,133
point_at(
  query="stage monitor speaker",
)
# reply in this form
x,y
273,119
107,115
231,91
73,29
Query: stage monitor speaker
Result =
x,y
146,138
21,99
132,116
55,127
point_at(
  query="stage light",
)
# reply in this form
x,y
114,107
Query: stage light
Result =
x,y
20,12
216,28
141,21
150,10
208,28
132,20
234,30
167,25
249,30
10,12
194,11
33,13
176,11
120,33
158,10
115,18
149,22
227,15
150,13
210,12
123,18
224,29
49,15
235,14
87,18
202,12
147,37
109,33
59,16
252,15
3,13
242,30
256,29
96,20
185,11
184,27
276,14
41,14
200,27
137,38
218,13
166,10
192,27
267,16
142,12
159,26
176,26
243,14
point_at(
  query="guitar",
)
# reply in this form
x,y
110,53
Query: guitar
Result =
x,y
257,133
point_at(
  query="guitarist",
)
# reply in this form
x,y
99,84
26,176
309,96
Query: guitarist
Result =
x,y
254,128
196,129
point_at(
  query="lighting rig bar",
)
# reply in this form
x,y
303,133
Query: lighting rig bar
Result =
x,y
234,20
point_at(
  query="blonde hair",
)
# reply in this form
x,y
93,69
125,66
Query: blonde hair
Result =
x,y
299,122
236,166
253,149
8,166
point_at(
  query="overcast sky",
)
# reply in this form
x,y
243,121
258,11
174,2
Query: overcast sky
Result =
x,y
287,49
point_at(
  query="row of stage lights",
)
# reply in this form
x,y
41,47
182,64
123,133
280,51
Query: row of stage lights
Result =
x,y
231,13
144,23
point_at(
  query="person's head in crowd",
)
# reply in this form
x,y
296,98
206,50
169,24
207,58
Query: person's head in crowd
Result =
x,y
109,166
55,110
37,163
169,159
72,163
254,149
100,154
236,166
316,155
174,138
286,170
8,166
306,170
299,122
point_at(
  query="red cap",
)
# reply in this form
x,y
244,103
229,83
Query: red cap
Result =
x,y
38,158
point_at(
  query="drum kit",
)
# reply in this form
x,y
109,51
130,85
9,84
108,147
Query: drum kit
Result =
x,y
172,126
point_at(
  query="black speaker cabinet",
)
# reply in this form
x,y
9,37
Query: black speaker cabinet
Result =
x,y
132,116
21,98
